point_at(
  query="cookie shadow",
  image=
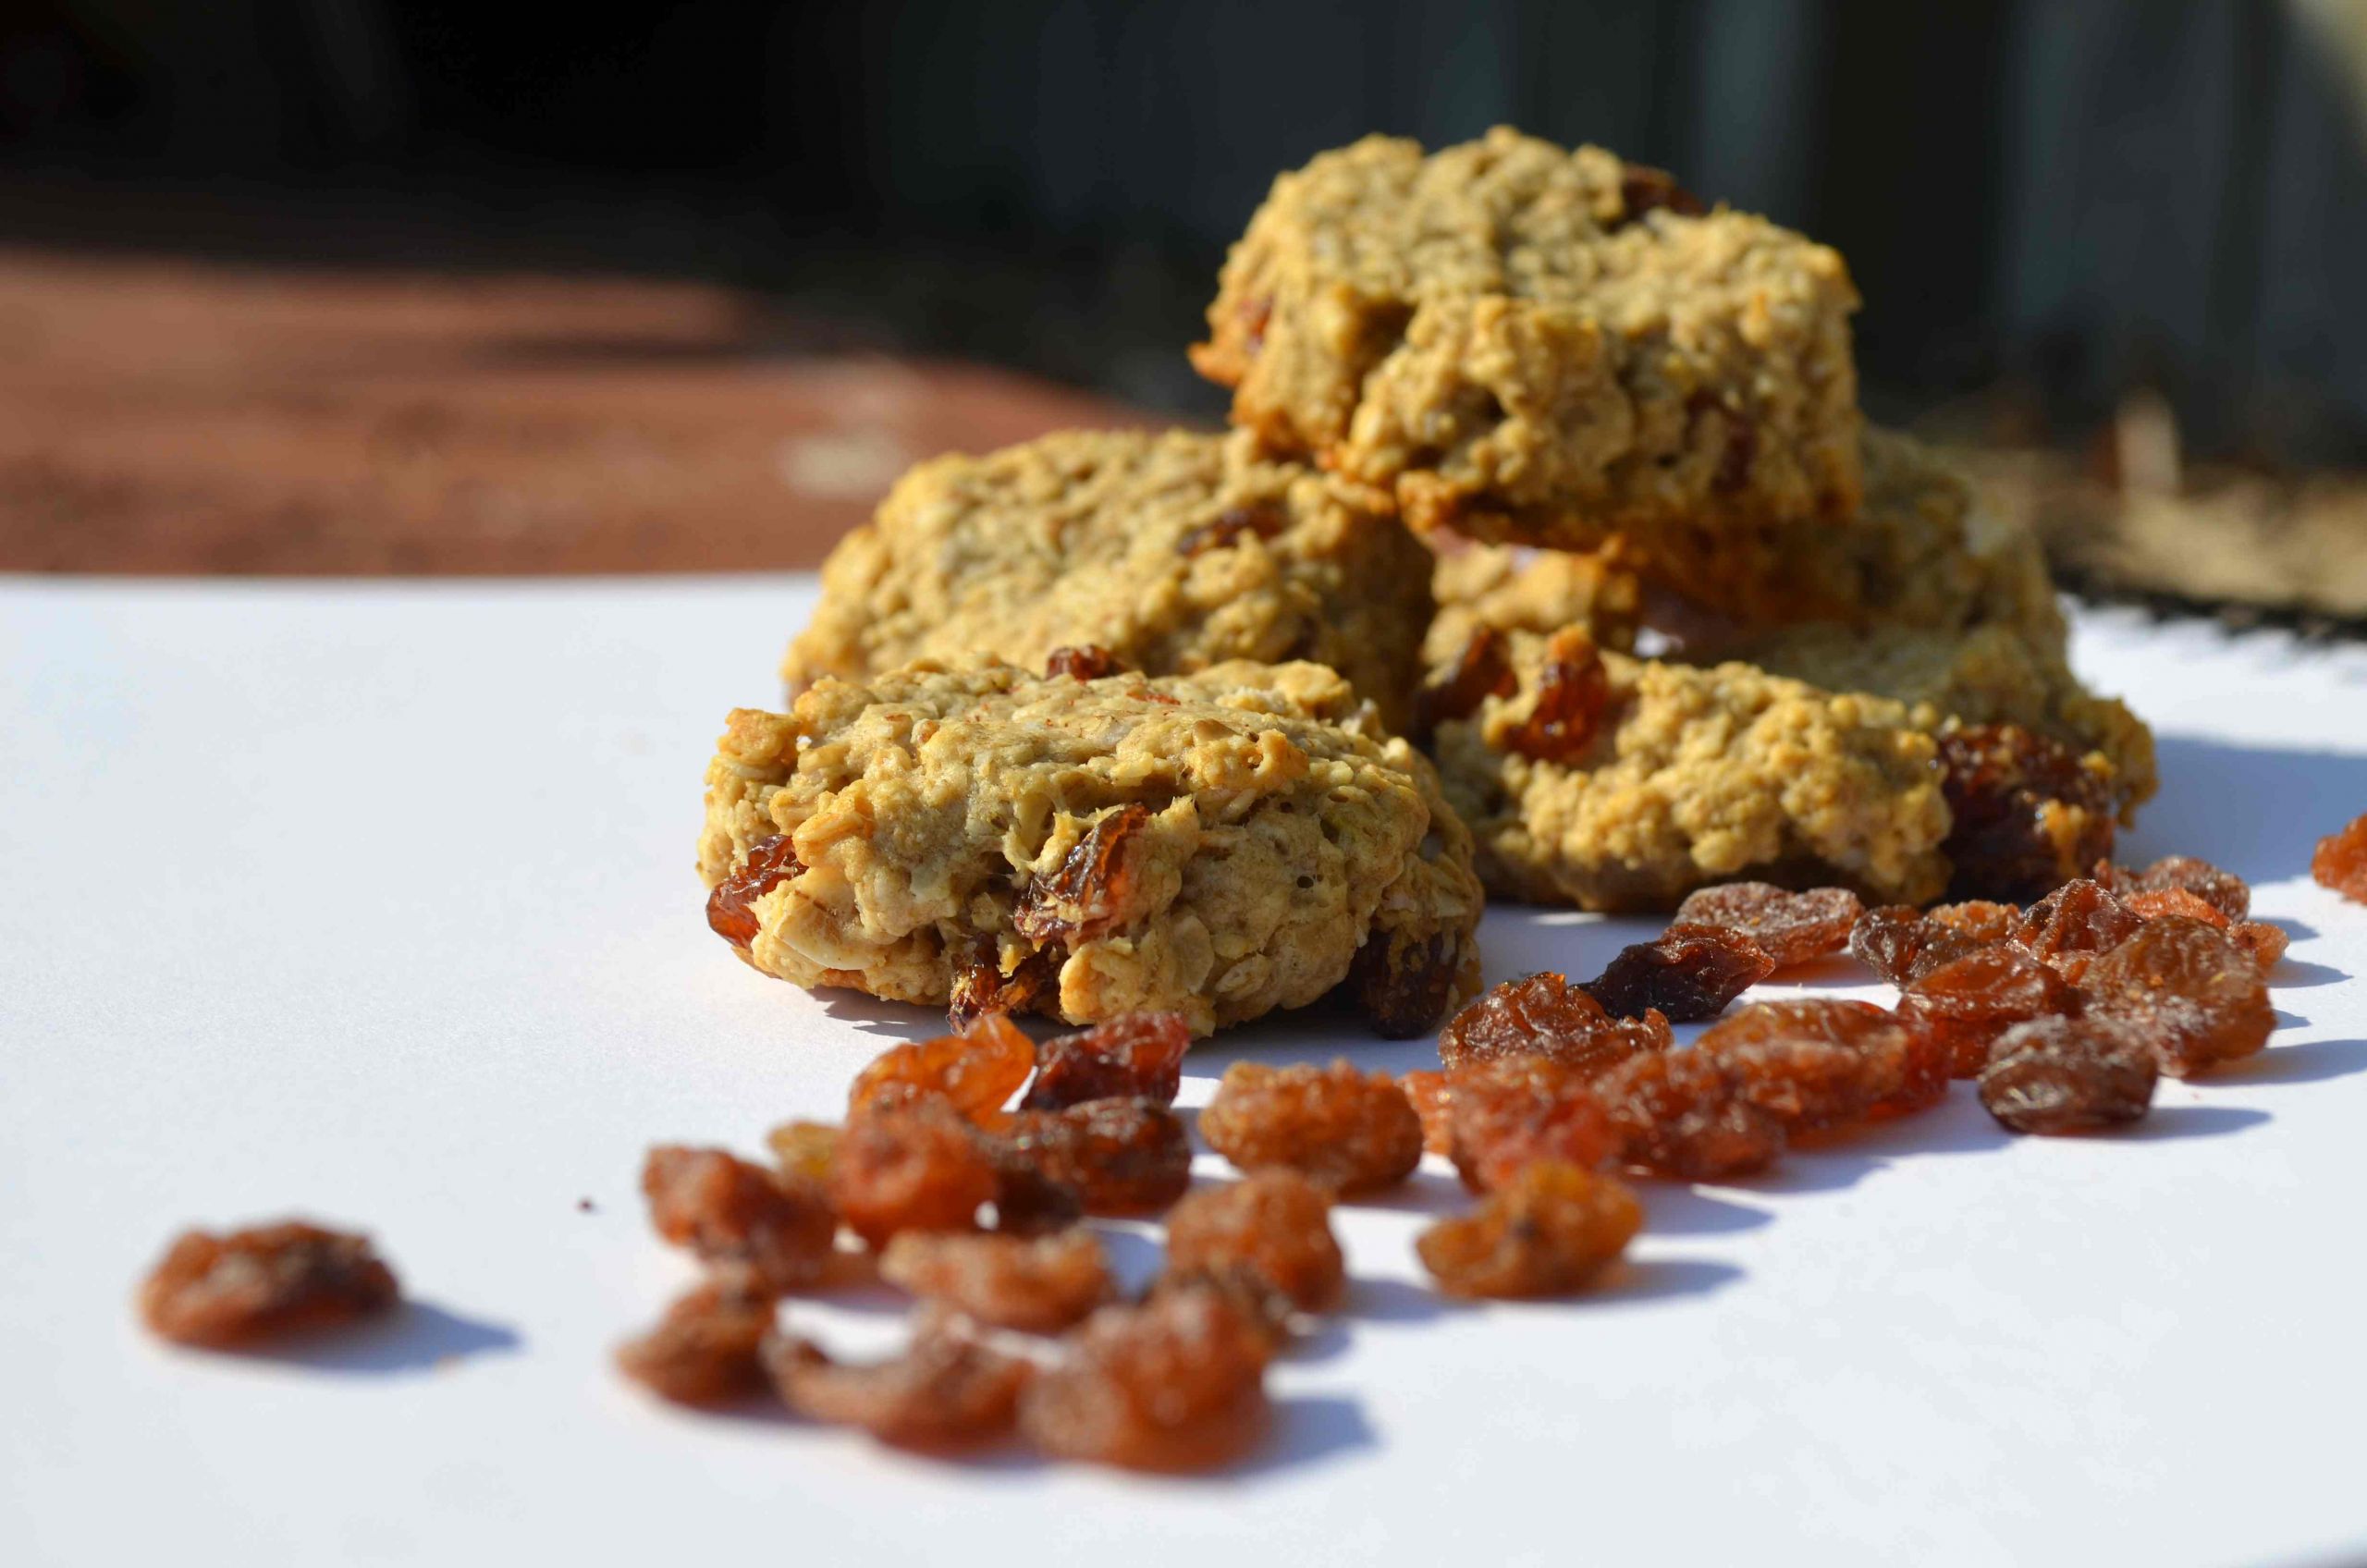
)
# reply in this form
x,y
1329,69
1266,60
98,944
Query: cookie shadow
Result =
x,y
2290,799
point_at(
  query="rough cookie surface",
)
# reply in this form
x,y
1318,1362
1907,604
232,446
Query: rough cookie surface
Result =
x,y
1173,551
1216,845
1523,342
1512,588
1695,776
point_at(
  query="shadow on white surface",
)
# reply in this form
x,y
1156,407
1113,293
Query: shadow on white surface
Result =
x,y
894,1020
1673,1209
417,1337
2312,1063
2262,809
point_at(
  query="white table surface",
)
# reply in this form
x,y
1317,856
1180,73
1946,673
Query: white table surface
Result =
x,y
376,902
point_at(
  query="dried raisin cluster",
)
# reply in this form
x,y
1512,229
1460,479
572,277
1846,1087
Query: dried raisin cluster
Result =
x,y
1792,928
1686,973
2340,862
1345,1129
1543,1014
258,1284
1549,1231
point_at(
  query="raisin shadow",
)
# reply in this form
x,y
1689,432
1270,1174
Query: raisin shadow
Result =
x,y
2313,1061
418,1336
2283,801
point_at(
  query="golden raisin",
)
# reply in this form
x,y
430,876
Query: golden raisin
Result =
x,y
976,1071
2027,814
1040,1286
730,1211
942,1392
1543,1014
1573,690
2067,1075
1689,974
1276,1222
1401,983
704,1350
1175,1384
1086,895
1120,1157
1794,928
804,1149
2074,923
1432,1101
2188,993
1550,1232
916,1165
2340,861
2263,942
2223,891
1088,661
1335,1125
1137,1055
1681,1114
1966,1004
2174,901
1819,1063
767,865
263,1282
1513,1111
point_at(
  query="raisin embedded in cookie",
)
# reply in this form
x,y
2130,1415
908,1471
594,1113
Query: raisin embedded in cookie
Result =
x,y
1172,552
1217,845
1525,343
1901,761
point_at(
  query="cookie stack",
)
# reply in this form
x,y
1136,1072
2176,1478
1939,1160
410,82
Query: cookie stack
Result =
x,y
1220,724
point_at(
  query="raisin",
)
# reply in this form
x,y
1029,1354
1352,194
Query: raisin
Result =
x,y
1086,895
1482,670
1977,920
2067,1075
943,1392
916,1165
1643,188
1137,1055
1966,1004
1517,1110
2191,995
804,1149
1254,314
263,1282
1276,1222
1041,1286
1334,1126
2026,814
727,1211
1550,1232
1681,1114
2263,942
1819,1063
767,865
1264,519
1903,945
1793,927
1120,1157
1246,1289
2174,901
704,1350
1177,1383
1403,983
1543,1014
980,986
2340,861
1433,1102
1688,972
1028,1202
1088,661
2074,923
2223,891
1573,690
976,1071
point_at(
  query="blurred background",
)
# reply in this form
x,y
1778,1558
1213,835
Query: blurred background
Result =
x,y
426,285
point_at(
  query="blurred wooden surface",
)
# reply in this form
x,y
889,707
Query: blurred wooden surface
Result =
x,y
179,418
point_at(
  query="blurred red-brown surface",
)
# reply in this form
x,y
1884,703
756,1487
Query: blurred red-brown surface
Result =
x,y
185,418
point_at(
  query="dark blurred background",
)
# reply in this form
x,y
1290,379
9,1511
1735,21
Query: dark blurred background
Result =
x,y
2102,230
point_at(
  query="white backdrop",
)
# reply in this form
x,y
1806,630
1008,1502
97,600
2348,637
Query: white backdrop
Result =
x,y
376,903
